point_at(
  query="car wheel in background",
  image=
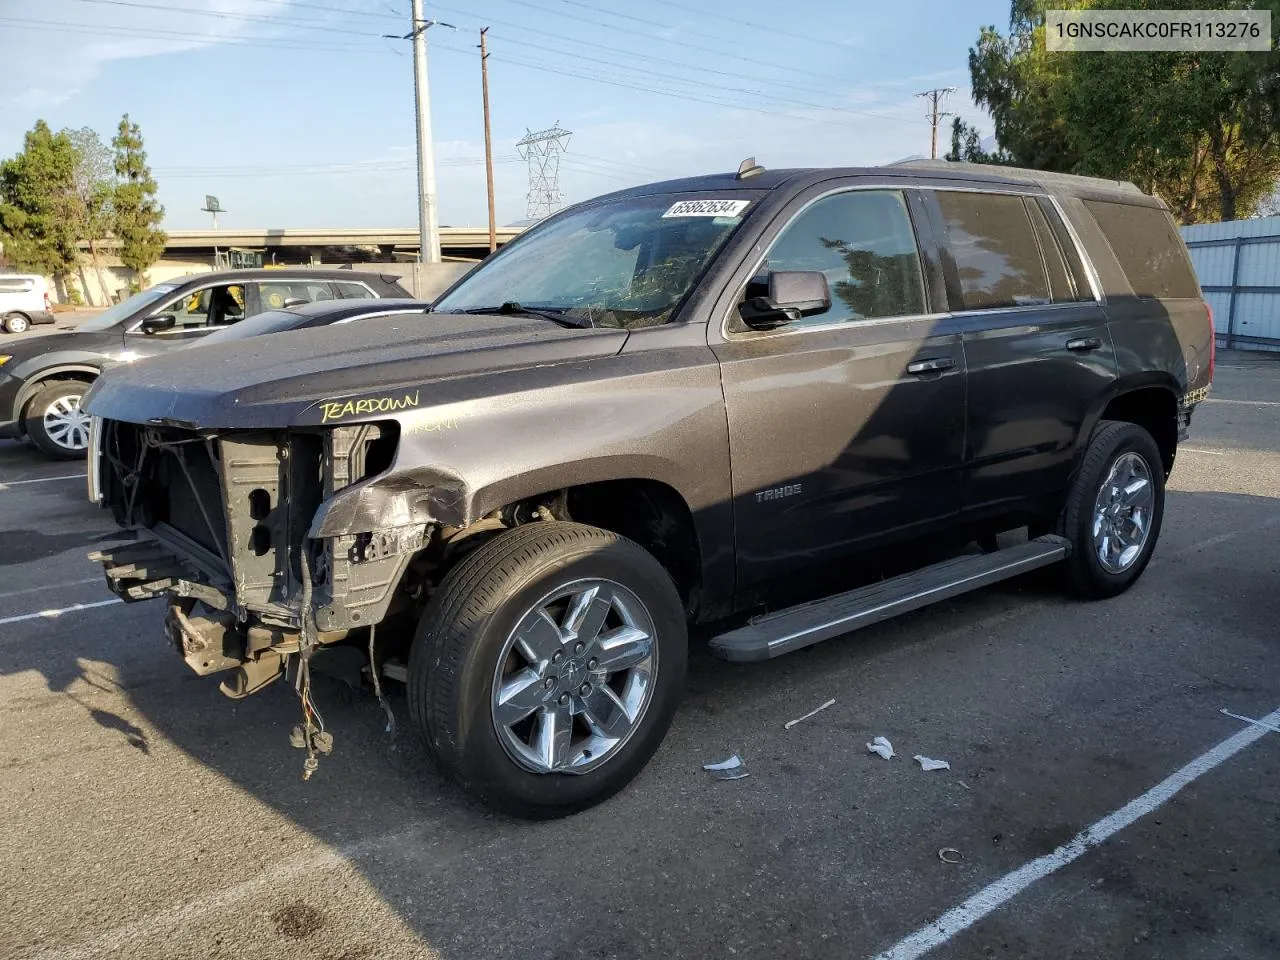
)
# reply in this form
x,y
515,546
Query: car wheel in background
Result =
x,y
15,322
1114,509
547,667
55,422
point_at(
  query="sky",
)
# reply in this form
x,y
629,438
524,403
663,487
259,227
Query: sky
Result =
x,y
300,114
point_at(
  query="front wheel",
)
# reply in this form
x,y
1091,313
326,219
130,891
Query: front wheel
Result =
x,y
56,423
15,323
548,666
1114,510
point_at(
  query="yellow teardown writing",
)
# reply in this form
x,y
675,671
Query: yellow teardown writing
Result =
x,y
340,409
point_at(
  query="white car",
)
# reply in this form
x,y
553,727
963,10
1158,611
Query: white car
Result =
x,y
24,300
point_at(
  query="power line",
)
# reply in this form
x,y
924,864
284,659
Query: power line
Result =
x,y
737,21
667,40
295,22
149,33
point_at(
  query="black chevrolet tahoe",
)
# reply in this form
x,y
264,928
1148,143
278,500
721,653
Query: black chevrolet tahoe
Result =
x,y
698,402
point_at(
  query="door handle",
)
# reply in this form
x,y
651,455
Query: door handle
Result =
x,y
932,365
1084,343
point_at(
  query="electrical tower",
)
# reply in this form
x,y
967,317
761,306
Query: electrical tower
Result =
x,y
542,151
937,101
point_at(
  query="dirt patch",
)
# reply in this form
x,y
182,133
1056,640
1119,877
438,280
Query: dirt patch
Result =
x,y
297,921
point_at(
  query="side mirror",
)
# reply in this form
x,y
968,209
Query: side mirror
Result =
x,y
789,295
163,321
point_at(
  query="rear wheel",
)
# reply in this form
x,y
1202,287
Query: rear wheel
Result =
x,y
548,666
1114,510
15,322
55,422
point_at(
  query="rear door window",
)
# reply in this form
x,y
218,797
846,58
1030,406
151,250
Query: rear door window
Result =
x,y
1061,289
350,290
991,238
1148,248
277,295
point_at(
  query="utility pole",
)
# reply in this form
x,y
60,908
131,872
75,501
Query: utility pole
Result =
x,y
428,221
488,142
937,99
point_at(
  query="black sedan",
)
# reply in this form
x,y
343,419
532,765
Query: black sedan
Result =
x,y
42,379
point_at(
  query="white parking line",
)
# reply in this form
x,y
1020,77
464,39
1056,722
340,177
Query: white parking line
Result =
x,y
18,483
1211,453
49,586
996,894
1245,403
54,614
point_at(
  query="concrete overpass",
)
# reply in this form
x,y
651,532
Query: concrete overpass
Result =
x,y
332,244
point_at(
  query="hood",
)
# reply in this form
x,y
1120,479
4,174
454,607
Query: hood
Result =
x,y
352,371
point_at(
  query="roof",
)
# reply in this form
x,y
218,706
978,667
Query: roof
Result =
x,y
932,169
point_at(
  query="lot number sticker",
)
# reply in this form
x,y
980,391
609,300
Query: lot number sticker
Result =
x,y
706,208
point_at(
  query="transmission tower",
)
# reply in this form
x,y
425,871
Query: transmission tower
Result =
x,y
542,151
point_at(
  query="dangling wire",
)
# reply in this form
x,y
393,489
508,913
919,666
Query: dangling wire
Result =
x,y
313,733
375,670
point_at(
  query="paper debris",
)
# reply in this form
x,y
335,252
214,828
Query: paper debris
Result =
x,y
731,769
882,747
929,764
950,855
812,713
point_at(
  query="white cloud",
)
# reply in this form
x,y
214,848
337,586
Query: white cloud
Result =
x,y
46,62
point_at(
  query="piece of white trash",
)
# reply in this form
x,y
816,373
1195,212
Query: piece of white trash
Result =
x,y
929,764
731,769
812,713
882,747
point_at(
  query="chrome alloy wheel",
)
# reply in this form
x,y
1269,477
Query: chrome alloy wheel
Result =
x,y
66,424
575,677
1122,513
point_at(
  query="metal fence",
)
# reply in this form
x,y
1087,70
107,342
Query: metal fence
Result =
x,y
1238,264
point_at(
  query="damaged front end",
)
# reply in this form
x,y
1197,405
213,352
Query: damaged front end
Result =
x,y
224,522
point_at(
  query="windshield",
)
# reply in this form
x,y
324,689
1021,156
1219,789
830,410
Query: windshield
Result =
x,y
126,308
626,263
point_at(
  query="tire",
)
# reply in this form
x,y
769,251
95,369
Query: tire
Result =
x,y
54,423
16,322
465,646
1099,568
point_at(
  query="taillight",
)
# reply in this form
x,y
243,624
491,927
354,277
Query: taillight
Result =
x,y
46,301
1213,338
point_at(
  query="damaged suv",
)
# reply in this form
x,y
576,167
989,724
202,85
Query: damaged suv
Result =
x,y
683,403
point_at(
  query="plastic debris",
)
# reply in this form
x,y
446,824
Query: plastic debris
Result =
x,y
881,746
927,763
950,855
812,713
731,769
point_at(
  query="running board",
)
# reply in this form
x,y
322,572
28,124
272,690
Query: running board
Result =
x,y
800,626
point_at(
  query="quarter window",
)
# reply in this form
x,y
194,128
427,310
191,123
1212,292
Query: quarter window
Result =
x,y
353,291
1148,248
863,242
995,251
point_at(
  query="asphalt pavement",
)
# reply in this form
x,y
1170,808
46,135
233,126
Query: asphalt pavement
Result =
x,y
148,816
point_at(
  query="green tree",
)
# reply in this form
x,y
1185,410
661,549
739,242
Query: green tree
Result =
x,y
136,216
1200,130
38,203
1021,85
966,146
95,183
